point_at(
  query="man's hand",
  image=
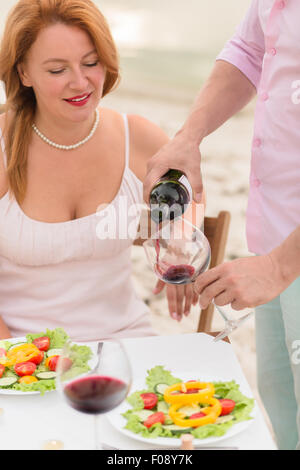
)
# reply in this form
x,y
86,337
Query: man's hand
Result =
x,y
179,154
243,283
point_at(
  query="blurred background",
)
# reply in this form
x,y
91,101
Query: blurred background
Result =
x,y
167,50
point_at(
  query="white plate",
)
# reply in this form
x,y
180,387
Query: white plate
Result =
x,y
118,421
8,391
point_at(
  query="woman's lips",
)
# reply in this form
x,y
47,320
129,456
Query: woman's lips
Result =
x,y
79,100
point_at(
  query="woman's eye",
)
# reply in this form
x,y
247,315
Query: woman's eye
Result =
x,y
93,64
56,72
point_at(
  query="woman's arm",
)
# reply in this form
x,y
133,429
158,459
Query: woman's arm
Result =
x,y
4,331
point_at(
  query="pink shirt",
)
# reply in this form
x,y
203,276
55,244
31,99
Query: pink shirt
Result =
x,y
266,48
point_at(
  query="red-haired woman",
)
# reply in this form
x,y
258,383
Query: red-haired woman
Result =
x,y
63,156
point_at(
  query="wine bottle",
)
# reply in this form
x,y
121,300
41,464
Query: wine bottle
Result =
x,y
170,196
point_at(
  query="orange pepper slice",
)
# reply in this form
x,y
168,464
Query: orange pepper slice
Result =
x,y
212,412
206,390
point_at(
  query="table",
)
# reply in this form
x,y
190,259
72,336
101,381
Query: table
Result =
x,y
28,421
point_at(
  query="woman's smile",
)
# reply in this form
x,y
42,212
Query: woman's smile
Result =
x,y
81,100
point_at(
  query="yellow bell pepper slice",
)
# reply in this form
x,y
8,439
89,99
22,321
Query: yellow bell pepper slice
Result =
x,y
28,379
22,353
212,412
206,390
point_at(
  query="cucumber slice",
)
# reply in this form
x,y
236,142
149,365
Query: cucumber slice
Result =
x,y
224,419
54,352
190,410
16,344
143,414
6,382
177,429
46,375
163,407
160,388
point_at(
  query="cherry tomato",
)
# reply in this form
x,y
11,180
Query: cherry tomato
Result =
x,y
2,352
38,358
2,369
42,343
24,368
196,416
192,390
51,362
227,406
150,400
158,417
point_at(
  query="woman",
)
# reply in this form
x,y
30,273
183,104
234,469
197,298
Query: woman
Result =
x,y
58,165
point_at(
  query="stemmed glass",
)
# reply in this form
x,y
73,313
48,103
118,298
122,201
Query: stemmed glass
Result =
x,y
178,253
99,390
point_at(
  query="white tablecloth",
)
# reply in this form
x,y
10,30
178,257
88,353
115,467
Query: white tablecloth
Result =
x,y
28,421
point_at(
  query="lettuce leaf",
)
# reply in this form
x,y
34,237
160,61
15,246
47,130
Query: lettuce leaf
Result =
x,y
159,375
41,386
58,337
5,344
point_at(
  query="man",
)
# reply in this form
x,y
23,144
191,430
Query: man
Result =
x,y
262,58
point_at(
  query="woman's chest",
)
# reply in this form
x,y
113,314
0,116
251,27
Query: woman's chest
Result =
x,y
72,187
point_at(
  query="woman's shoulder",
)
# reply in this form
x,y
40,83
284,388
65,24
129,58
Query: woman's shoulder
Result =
x,y
146,139
146,135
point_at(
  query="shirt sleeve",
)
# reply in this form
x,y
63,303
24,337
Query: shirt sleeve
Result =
x,y
245,50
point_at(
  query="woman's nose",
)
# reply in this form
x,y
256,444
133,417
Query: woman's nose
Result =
x,y
79,80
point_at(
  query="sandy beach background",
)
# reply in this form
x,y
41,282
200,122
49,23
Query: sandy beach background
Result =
x,y
167,50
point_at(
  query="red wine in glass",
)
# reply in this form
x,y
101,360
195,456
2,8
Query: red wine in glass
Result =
x,y
95,394
179,274
174,274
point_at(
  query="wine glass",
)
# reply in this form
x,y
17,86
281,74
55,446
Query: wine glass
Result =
x,y
100,389
178,253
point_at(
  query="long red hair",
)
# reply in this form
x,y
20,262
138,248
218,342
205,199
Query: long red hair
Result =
x,y
23,25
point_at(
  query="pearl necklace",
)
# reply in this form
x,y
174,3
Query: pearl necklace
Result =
x,y
68,147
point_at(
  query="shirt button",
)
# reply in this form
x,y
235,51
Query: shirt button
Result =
x,y
281,4
256,182
256,142
273,51
264,96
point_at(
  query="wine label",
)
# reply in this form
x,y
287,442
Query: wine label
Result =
x,y
185,182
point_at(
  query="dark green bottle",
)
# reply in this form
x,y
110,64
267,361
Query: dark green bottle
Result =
x,y
170,196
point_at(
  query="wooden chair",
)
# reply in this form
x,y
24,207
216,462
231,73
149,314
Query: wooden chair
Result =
x,y
216,230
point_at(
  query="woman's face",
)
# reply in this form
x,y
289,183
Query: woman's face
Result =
x,y
63,68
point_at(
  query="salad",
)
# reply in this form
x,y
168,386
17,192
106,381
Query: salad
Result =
x,y
30,366
169,407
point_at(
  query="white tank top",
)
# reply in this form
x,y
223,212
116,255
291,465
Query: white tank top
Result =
x,y
64,275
